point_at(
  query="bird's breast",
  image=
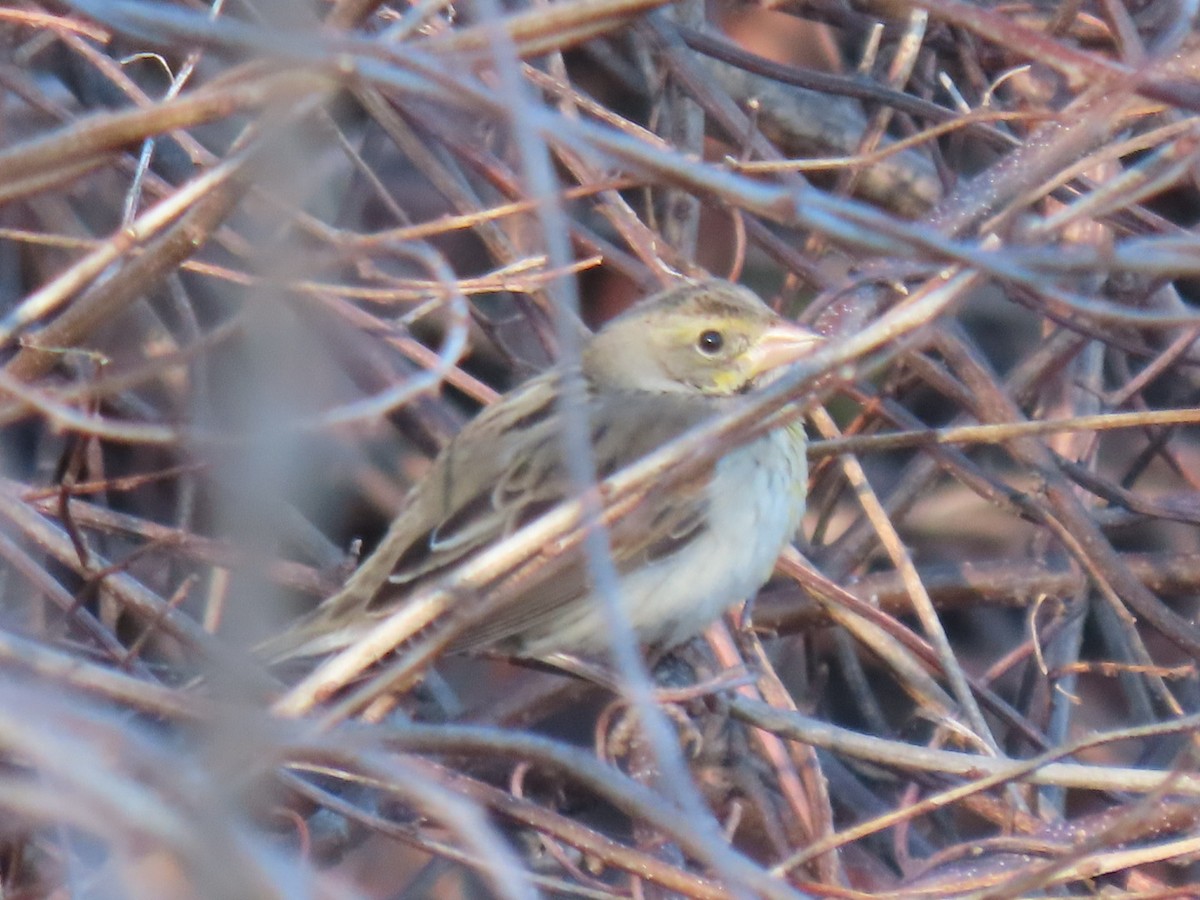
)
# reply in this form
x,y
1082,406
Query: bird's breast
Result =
x,y
756,500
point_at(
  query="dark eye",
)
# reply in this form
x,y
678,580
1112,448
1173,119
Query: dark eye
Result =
x,y
710,342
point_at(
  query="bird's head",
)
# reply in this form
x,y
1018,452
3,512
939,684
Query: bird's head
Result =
x,y
712,337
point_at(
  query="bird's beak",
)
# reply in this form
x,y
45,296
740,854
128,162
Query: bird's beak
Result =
x,y
783,343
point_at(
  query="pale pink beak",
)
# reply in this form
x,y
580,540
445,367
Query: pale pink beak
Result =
x,y
782,343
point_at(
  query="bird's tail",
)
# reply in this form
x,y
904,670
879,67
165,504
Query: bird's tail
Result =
x,y
314,634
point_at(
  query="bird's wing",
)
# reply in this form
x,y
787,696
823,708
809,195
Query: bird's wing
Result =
x,y
623,428
504,470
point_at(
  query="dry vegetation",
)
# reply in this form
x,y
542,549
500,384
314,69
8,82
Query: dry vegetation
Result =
x,y
260,259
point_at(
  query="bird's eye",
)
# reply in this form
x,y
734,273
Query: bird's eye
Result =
x,y
710,342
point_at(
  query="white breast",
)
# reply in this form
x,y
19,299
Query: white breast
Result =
x,y
756,502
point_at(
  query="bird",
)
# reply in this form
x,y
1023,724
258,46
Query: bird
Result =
x,y
666,364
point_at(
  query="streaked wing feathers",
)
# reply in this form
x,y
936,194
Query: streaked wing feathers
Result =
x,y
493,479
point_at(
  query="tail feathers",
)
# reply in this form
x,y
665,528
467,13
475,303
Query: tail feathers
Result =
x,y
315,634
341,618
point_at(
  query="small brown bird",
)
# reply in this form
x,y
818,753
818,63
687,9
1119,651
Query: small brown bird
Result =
x,y
665,365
